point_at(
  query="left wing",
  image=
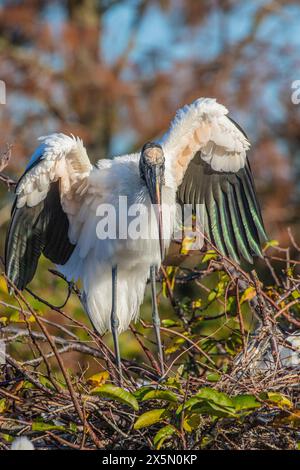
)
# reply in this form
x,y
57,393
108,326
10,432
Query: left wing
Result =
x,y
47,196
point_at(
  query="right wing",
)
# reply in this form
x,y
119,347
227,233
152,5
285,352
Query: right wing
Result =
x,y
232,216
47,195
206,159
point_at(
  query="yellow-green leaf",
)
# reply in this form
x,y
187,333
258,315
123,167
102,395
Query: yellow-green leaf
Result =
x,y
271,243
211,296
278,399
160,395
245,402
163,434
174,346
219,398
116,393
213,377
188,244
141,392
2,405
3,285
197,303
168,323
6,437
187,405
248,294
41,426
192,422
295,294
210,254
149,418
46,382
99,379
17,317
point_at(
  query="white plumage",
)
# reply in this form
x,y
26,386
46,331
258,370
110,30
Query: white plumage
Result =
x,y
22,443
202,125
93,258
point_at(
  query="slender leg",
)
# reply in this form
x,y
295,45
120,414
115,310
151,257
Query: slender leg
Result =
x,y
115,323
155,317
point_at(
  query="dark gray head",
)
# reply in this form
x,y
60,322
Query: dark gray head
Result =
x,y
152,157
152,170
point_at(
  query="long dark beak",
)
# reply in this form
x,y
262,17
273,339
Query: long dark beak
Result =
x,y
154,177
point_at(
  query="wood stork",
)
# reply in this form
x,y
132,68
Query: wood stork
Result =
x,y
202,159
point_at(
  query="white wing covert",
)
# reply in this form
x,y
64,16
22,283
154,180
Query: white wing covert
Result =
x,y
206,160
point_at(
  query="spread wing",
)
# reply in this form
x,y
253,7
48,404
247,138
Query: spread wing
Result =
x,y
207,156
232,217
46,197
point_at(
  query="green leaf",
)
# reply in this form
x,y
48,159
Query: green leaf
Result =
x,y
7,437
211,402
73,427
248,294
192,421
278,399
245,402
163,434
27,385
212,409
231,304
142,391
205,441
41,426
46,382
295,294
118,394
211,296
210,254
213,377
270,244
98,379
215,403
168,323
150,417
213,396
174,346
187,405
174,382
160,395
3,405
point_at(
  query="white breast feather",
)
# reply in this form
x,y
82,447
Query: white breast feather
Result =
x,y
93,258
